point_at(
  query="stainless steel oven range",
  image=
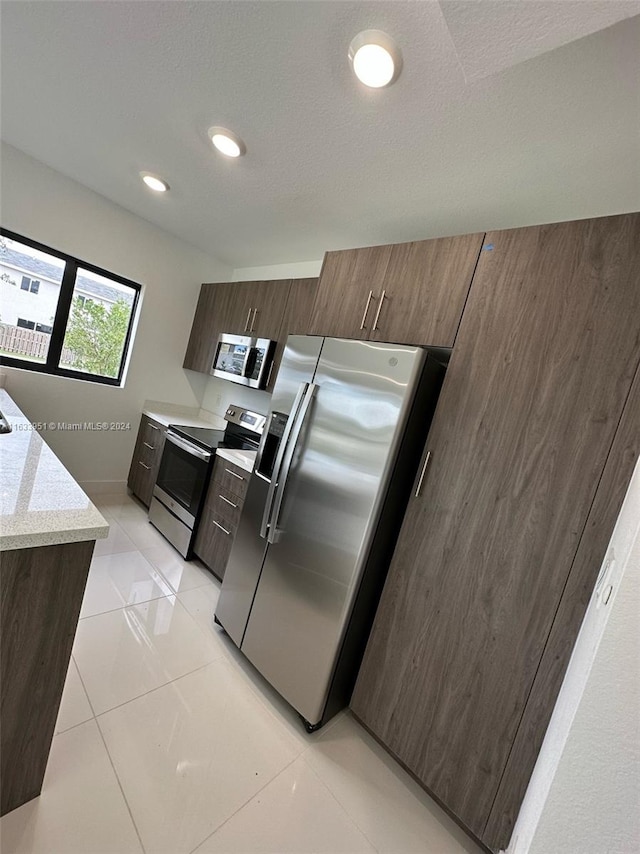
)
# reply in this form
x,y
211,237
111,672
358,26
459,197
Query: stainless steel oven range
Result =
x,y
185,469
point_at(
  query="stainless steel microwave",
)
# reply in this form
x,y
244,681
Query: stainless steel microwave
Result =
x,y
243,359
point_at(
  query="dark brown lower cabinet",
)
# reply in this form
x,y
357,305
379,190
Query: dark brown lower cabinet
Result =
x,y
221,514
532,446
145,462
40,598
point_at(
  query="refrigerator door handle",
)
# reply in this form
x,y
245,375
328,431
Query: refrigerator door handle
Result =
x,y
287,460
266,516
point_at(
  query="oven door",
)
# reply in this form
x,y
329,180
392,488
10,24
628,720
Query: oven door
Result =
x,y
182,478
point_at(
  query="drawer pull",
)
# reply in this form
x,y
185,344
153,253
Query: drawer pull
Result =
x,y
153,426
234,474
151,447
144,466
226,500
224,530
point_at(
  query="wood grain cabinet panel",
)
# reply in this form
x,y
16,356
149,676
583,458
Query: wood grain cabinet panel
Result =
x,y
222,508
145,462
425,287
40,601
409,293
542,369
214,313
343,308
296,319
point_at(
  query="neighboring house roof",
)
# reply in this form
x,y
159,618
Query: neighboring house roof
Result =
x,y
36,267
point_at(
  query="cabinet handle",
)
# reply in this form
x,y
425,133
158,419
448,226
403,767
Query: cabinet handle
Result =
x,y
253,322
153,426
151,447
246,323
366,309
422,473
224,530
226,500
148,468
375,322
234,474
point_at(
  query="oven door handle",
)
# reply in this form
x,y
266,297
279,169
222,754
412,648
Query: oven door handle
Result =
x,y
194,450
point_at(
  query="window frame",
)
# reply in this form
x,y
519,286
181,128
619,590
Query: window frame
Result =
x,y
63,311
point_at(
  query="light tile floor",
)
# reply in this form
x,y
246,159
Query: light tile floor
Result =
x,y
168,742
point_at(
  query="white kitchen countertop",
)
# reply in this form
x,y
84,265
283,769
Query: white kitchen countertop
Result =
x,y
187,416
244,459
40,502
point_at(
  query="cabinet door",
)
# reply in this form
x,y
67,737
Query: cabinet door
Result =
x,y
424,290
295,321
538,379
214,314
343,308
262,307
146,459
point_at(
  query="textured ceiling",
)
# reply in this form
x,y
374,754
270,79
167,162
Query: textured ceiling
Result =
x,y
102,90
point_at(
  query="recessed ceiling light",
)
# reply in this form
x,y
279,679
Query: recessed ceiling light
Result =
x,y
154,183
227,142
375,58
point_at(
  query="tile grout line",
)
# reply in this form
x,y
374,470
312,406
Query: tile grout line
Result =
x,y
113,767
243,805
340,804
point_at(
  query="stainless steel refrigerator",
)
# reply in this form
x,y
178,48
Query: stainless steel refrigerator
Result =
x,y
336,464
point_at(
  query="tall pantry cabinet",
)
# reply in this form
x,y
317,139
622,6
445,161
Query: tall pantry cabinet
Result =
x,y
498,553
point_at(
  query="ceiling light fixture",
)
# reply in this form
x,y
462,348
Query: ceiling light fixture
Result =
x,y
375,58
227,142
154,183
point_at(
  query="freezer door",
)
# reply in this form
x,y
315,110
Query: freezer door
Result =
x,y
243,569
359,401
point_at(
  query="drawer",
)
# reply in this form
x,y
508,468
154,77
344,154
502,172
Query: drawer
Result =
x,y
225,504
213,542
230,478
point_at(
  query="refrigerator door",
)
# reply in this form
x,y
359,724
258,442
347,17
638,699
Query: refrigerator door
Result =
x,y
339,470
241,576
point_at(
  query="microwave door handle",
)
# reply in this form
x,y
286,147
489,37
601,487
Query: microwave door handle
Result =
x,y
279,457
287,460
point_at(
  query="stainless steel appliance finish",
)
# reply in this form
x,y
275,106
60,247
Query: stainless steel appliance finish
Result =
x,y
243,359
185,468
333,474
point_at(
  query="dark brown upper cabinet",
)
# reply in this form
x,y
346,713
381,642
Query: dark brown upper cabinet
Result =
x,y
539,381
409,293
243,308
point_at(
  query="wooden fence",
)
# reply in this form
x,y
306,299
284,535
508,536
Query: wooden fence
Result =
x,y
29,344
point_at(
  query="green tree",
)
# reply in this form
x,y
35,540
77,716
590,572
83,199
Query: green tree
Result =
x,y
96,335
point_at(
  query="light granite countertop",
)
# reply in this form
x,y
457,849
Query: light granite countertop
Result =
x,y
40,502
187,416
244,459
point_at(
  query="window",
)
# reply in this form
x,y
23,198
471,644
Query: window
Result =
x,y
80,317
32,285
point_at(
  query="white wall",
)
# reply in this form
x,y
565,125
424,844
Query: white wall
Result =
x,y
296,270
46,206
584,794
